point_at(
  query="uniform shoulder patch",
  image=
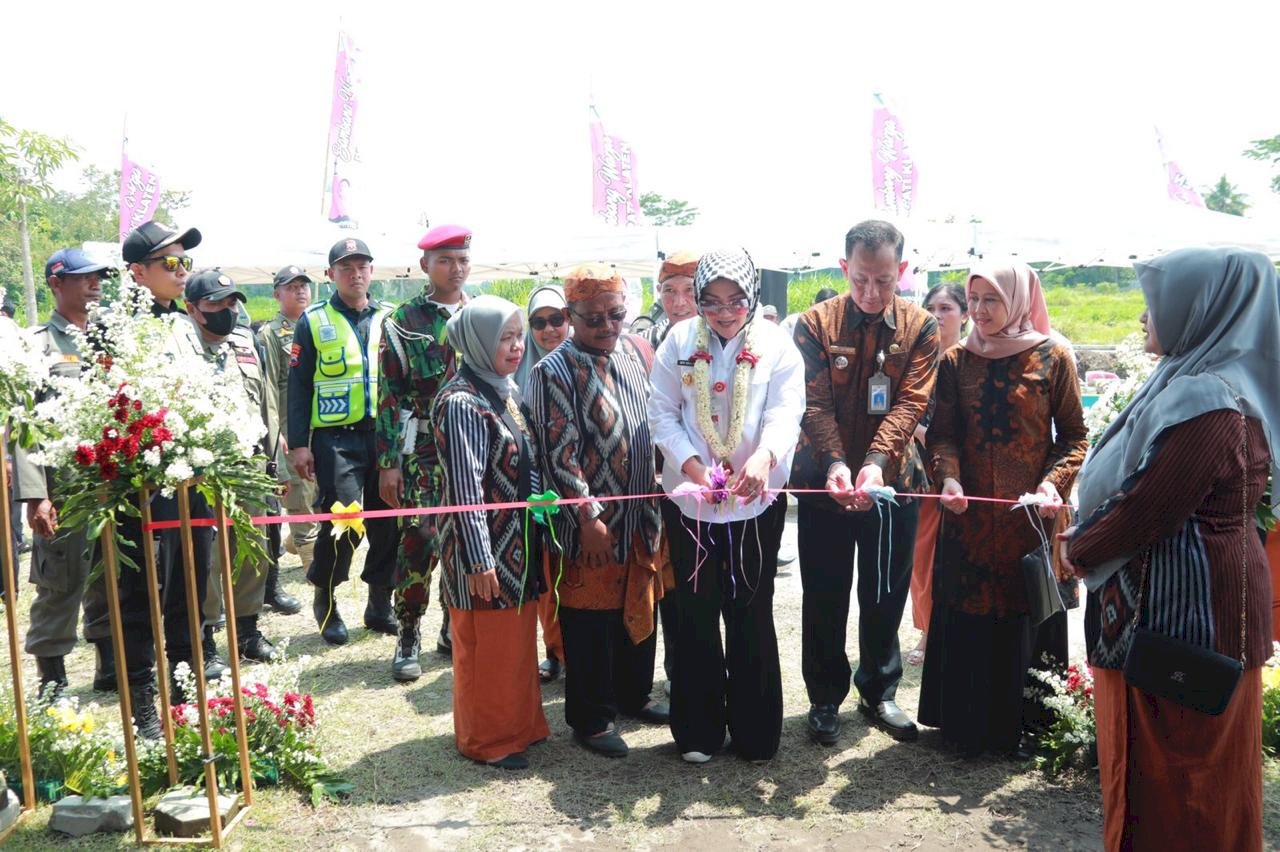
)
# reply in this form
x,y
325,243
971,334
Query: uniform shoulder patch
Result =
x,y
295,352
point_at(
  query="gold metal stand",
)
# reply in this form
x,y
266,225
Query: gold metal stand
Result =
x,y
218,833
15,656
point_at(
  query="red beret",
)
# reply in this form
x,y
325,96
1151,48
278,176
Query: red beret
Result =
x,y
446,237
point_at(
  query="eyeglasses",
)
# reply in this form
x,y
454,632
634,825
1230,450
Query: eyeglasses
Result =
x,y
171,263
737,306
540,323
597,320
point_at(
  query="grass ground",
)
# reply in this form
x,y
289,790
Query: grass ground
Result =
x,y
413,790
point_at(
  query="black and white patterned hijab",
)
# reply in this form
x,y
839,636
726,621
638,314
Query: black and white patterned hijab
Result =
x,y
733,265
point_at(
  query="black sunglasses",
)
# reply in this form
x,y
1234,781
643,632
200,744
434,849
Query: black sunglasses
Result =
x,y
597,320
540,323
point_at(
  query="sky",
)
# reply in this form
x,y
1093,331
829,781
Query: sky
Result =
x,y
758,114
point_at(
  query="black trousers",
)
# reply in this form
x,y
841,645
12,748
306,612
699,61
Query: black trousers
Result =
x,y
346,470
737,686
827,542
605,672
667,606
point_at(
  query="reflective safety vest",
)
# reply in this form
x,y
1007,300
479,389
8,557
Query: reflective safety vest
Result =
x,y
346,377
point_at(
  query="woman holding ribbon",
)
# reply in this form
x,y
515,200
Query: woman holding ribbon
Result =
x,y
728,395
1008,422
1167,549
488,456
548,327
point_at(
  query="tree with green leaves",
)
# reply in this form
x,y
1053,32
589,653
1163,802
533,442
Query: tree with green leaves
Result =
x,y
1267,150
1226,198
27,160
65,218
667,211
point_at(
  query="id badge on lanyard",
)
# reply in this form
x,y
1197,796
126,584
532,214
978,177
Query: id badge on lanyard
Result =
x,y
878,388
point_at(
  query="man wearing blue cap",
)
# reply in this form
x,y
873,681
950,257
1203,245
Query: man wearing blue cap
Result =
x,y
333,397
59,559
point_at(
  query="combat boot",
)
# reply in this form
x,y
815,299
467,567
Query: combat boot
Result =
x,y
53,677
405,666
276,597
378,615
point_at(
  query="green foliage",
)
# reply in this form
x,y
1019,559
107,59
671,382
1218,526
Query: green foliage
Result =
x,y
27,160
1226,198
1101,314
802,289
667,211
1270,711
1267,150
69,218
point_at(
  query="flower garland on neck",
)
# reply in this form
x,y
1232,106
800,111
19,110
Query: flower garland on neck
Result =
x,y
747,359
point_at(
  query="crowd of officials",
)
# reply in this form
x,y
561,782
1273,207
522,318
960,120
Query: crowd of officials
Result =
x,y
476,402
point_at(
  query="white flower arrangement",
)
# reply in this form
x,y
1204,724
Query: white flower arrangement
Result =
x,y
1135,367
23,375
149,410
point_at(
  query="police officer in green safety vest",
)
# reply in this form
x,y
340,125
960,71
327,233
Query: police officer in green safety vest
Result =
x,y
332,402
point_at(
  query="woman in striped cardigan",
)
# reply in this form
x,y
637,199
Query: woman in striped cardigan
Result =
x,y
488,456
1166,542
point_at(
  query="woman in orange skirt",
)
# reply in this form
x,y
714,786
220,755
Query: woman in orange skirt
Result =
x,y
488,456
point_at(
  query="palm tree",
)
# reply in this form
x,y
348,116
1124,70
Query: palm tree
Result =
x,y
1225,198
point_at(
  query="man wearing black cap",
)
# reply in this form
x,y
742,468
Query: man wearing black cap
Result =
x,y
211,299
333,398
59,561
292,290
157,258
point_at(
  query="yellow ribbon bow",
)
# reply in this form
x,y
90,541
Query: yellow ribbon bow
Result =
x,y
345,525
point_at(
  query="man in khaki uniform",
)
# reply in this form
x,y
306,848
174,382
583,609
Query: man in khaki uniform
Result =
x,y
211,300
60,559
292,289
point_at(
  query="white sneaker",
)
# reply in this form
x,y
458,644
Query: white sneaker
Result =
x,y
695,757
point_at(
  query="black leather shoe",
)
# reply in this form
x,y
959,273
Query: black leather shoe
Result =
x,y
142,701
444,645
515,761
824,724
325,609
654,714
378,615
609,743
258,649
889,718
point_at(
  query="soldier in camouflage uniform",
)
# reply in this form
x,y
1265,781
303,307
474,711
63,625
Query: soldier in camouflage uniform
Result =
x,y
416,361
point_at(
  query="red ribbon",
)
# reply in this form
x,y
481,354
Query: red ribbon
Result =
x,y
265,520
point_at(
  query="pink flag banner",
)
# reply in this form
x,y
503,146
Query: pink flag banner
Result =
x,y
342,151
1179,187
893,170
139,195
615,196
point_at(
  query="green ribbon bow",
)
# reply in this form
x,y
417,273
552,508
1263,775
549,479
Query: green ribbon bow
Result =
x,y
541,514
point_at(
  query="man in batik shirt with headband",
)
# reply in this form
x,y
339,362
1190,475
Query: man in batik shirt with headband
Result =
x,y
589,398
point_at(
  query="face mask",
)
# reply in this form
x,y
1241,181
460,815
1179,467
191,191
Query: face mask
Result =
x,y
220,323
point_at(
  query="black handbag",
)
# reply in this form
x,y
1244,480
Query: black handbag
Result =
x,y
1187,674
1043,597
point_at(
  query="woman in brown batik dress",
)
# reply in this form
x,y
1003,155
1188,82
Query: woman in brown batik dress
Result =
x,y
1008,422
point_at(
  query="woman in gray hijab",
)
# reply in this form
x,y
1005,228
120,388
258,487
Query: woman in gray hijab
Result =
x,y
1167,543
548,327
491,581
